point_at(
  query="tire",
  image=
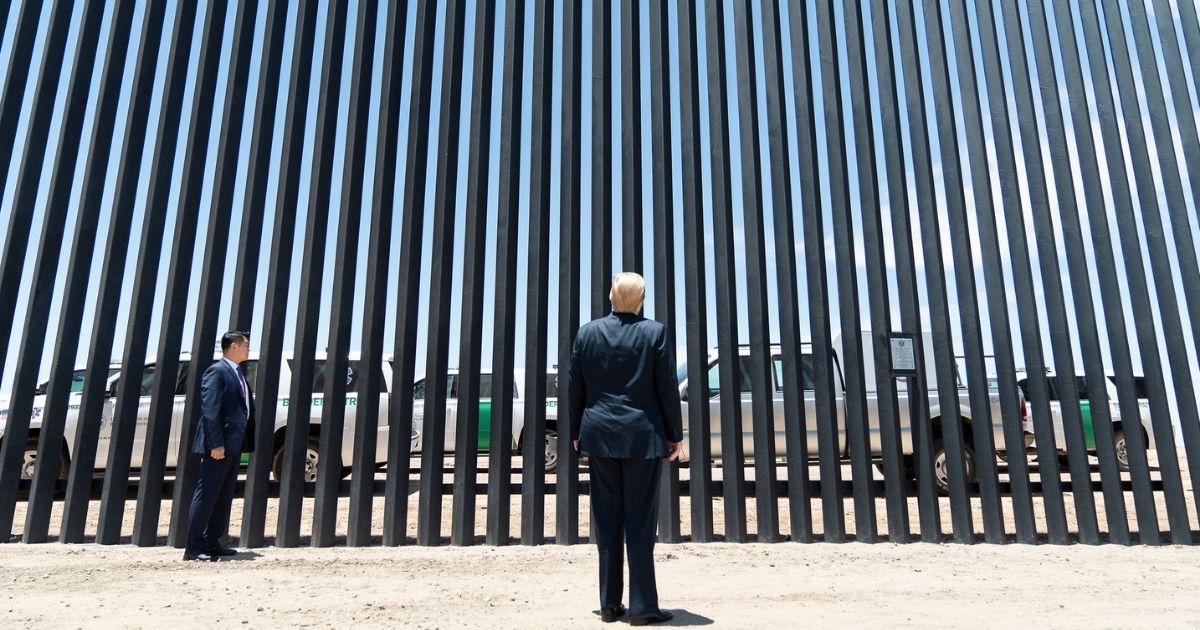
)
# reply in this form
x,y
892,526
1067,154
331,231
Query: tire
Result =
x,y
941,466
310,462
551,442
1122,450
29,461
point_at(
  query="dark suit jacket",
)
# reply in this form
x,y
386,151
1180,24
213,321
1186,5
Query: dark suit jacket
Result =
x,y
623,390
224,419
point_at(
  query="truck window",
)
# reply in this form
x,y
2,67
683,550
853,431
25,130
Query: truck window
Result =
x,y
181,382
714,376
806,372
76,382
352,378
149,373
419,388
1081,387
1052,387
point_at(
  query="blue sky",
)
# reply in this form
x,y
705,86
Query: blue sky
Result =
x,y
1182,136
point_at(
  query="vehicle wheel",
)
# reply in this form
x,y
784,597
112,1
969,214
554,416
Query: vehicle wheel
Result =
x,y
941,466
1122,449
551,452
310,462
29,461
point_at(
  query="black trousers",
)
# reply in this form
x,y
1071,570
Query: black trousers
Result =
x,y
212,500
625,509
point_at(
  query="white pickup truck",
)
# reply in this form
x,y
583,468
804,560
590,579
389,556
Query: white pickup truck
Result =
x,y
149,376
1085,412
872,397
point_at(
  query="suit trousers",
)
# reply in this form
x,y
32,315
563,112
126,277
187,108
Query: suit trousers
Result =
x,y
212,500
624,498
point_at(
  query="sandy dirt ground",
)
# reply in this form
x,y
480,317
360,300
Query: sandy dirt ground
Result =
x,y
718,585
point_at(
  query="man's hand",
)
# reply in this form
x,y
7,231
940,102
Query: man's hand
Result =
x,y
674,450
218,453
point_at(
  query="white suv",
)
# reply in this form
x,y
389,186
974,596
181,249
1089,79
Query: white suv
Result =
x,y
485,412
149,376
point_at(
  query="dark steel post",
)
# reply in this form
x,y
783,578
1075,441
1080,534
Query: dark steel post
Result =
x,y
362,478
632,238
874,247
664,234
1081,283
245,278
1064,363
733,476
270,346
333,409
695,289
50,435
533,455
762,412
395,517
947,435
29,177
1148,530
445,207
996,293
11,100
162,406
567,478
503,353
1117,328
129,391
978,414
921,459
1168,304
801,20
792,386
1185,246
92,402
299,430
466,457
850,353
1019,256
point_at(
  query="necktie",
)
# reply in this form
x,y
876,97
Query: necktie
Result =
x,y
245,392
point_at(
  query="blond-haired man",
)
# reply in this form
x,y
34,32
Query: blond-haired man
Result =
x,y
625,416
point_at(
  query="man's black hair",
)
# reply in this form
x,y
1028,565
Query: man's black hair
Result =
x,y
232,337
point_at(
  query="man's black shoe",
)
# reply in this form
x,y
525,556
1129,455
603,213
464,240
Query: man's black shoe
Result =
x,y
609,615
655,617
201,557
222,552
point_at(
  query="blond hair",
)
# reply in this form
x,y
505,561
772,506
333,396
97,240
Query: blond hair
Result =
x,y
628,293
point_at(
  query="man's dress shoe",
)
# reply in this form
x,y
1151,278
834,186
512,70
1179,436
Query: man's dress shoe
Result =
x,y
609,615
222,552
202,557
649,618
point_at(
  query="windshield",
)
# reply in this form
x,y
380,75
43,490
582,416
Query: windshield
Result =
x,y
681,375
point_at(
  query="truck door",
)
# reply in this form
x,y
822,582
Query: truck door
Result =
x,y
714,407
809,392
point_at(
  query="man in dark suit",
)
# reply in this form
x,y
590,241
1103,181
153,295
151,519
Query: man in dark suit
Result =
x,y
226,430
625,416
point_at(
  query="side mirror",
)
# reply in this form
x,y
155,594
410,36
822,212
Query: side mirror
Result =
x,y
112,389
683,394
